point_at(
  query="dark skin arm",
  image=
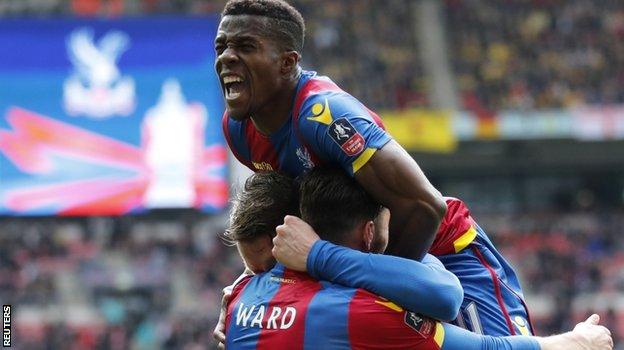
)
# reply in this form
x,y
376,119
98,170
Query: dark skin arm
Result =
x,y
394,179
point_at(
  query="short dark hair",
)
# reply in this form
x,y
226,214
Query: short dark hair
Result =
x,y
333,203
285,23
261,206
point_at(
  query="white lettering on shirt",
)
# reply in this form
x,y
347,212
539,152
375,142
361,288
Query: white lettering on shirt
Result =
x,y
286,318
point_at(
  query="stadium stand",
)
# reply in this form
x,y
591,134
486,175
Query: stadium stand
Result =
x,y
120,283
537,54
505,55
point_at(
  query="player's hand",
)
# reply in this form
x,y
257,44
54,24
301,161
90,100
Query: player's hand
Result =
x,y
590,335
293,243
219,331
587,335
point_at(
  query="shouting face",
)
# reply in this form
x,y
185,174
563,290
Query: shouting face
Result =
x,y
249,65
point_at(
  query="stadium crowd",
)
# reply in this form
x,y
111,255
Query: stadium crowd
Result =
x,y
373,43
505,54
113,283
143,284
537,54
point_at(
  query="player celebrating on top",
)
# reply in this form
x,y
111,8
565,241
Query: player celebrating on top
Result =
x,y
279,117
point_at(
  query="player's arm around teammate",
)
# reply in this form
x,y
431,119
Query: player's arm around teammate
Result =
x,y
426,287
373,323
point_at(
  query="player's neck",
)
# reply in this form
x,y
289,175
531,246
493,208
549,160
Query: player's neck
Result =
x,y
273,115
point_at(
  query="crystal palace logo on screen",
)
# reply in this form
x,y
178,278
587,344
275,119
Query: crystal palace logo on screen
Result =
x,y
171,168
96,88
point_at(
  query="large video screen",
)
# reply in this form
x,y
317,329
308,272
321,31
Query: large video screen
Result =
x,y
110,117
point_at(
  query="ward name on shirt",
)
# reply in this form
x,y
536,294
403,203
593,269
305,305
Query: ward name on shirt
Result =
x,y
254,316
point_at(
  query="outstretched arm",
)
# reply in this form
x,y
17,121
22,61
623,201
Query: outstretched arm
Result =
x,y
456,338
587,335
370,317
426,287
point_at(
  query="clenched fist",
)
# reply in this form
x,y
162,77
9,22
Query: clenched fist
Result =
x,y
293,242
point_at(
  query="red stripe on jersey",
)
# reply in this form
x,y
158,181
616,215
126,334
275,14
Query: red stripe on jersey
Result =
x,y
312,86
378,324
261,149
297,290
376,118
497,289
455,223
228,139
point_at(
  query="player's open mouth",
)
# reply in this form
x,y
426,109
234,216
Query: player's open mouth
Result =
x,y
234,86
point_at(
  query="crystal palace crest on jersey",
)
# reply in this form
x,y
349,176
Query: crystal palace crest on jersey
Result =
x,y
304,157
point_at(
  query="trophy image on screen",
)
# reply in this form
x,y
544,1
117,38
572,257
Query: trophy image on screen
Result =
x,y
173,137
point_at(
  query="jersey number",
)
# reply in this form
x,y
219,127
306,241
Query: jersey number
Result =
x,y
474,324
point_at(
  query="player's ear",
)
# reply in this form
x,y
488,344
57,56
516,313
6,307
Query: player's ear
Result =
x,y
290,60
368,233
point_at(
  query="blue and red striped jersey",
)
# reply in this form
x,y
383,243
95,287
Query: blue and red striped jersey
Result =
x,y
284,309
327,125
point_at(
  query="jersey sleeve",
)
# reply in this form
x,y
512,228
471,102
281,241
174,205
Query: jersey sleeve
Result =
x,y
424,287
340,130
456,338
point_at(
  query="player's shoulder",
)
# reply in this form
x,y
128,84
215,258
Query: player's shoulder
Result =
x,y
324,107
240,284
454,201
456,208
320,101
363,297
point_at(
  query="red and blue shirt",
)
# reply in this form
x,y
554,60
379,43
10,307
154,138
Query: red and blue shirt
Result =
x,y
284,309
327,125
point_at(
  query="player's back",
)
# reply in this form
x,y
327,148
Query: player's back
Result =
x,y
283,309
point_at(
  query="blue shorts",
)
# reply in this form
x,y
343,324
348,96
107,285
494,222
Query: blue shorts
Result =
x,y
493,300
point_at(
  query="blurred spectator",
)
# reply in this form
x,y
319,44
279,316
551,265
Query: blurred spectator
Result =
x,y
367,46
506,54
570,264
538,54
121,283
97,7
